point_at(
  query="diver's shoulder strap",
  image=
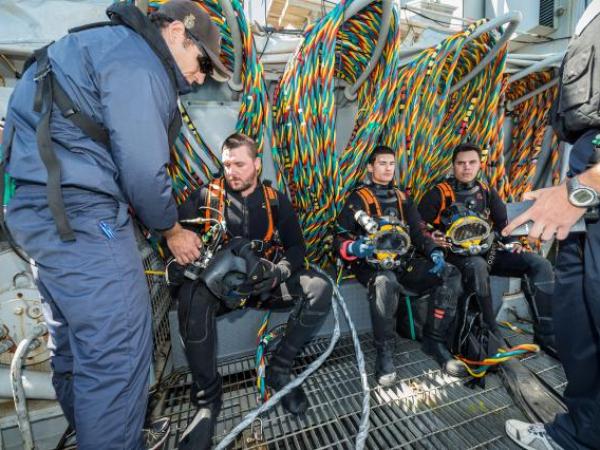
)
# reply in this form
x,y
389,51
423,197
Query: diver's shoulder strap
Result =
x,y
370,202
272,206
372,205
401,196
215,201
447,198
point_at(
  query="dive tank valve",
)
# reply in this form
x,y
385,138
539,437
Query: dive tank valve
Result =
x,y
367,222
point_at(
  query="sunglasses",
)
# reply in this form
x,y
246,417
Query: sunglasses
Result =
x,y
205,64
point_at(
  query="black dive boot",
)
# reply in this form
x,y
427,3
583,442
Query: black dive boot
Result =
x,y
279,373
199,432
383,305
385,372
438,350
303,321
435,345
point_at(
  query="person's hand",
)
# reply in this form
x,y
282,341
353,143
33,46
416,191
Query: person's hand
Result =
x,y
551,214
517,247
440,239
361,249
184,244
437,258
271,277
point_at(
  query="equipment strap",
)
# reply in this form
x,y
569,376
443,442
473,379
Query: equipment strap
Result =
x,y
373,206
43,104
215,199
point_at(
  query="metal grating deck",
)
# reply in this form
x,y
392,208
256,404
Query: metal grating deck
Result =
x,y
425,409
549,369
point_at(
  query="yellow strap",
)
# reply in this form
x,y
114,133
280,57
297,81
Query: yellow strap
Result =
x,y
369,201
216,190
270,195
446,191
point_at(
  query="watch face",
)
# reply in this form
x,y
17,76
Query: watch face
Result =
x,y
582,197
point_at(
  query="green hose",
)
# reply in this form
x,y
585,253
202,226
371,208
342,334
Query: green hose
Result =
x,y
411,321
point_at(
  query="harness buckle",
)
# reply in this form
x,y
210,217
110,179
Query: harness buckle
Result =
x,y
70,112
42,74
257,245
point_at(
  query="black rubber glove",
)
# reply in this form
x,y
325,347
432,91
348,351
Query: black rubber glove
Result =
x,y
273,275
175,273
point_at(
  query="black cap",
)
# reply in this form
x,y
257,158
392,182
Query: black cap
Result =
x,y
203,31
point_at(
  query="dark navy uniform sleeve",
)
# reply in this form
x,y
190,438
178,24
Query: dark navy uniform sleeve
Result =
x,y
430,204
137,117
290,234
422,242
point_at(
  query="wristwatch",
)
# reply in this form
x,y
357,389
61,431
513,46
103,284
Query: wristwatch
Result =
x,y
581,195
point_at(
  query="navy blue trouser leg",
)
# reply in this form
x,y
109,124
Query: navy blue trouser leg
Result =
x,y
62,356
98,310
576,311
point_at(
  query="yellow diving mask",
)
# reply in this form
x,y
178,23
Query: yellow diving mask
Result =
x,y
468,232
391,242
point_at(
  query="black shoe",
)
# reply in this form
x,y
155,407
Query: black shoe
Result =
x,y
296,401
438,351
156,434
385,372
199,432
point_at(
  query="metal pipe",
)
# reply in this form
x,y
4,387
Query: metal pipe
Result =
x,y
235,83
36,385
513,18
531,56
355,8
386,18
19,397
520,62
410,7
537,67
512,104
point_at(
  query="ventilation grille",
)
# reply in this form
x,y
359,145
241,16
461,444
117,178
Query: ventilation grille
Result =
x,y
547,13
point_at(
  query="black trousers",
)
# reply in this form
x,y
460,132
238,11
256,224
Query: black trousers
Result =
x,y
306,293
384,293
576,315
476,273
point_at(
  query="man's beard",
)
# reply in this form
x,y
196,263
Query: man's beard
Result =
x,y
245,184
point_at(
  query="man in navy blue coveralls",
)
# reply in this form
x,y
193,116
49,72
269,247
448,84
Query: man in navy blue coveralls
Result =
x,y
96,300
576,308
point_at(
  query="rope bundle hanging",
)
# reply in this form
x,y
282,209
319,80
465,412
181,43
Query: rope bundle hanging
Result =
x,y
304,131
409,108
435,121
529,120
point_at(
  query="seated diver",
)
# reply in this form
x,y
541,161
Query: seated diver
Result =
x,y
264,231
466,215
398,222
